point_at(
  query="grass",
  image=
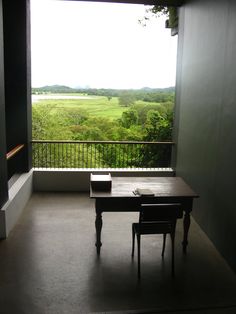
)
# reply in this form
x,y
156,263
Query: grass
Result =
x,y
97,106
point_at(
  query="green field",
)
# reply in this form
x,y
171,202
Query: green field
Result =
x,y
80,117
96,106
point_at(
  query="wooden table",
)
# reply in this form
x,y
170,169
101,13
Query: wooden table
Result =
x,y
122,199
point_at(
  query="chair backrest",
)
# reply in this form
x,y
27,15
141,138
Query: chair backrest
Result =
x,y
160,212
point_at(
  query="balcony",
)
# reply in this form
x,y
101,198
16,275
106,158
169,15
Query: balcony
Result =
x,y
48,263
51,249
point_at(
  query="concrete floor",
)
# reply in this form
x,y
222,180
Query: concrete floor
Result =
x,y
49,265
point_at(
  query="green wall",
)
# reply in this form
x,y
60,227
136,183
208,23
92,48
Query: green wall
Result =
x,y
206,116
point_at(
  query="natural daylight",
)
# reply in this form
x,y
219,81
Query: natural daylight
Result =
x,y
98,74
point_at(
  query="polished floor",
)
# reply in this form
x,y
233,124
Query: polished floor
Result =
x,y
48,265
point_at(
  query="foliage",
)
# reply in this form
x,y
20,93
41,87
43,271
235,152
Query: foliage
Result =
x,y
129,118
159,10
158,126
48,125
126,99
94,119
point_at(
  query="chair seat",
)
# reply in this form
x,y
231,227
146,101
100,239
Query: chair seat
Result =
x,y
153,227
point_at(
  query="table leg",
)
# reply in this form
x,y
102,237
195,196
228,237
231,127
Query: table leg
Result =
x,y
98,226
186,229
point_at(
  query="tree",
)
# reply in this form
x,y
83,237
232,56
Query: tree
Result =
x,y
126,99
129,117
158,127
48,125
158,10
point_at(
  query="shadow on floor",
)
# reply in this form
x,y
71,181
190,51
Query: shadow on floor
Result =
x,y
49,265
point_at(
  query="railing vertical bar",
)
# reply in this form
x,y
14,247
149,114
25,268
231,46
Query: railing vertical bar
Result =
x,y
54,155
92,156
42,155
50,155
117,154
86,156
39,154
62,155
102,155
132,155
73,150
34,149
68,156
95,155
99,155
83,154
93,160
78,155
127,156
46,155
120,156
112,152
61,152
85,149
64,151
59,157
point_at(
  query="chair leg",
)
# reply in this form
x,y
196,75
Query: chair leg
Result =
x,y
133,241
138,242
172,235
164,245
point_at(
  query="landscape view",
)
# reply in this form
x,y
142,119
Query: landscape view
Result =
x,y
64,113
110,120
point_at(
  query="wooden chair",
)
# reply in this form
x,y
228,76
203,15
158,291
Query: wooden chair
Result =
x,y
156,219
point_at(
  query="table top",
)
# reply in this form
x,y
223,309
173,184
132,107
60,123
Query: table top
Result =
x,y
161,187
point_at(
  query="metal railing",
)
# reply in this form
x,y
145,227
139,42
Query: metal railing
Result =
x,y
100,154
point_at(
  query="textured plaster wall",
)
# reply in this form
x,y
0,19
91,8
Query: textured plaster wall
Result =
x,y
206,116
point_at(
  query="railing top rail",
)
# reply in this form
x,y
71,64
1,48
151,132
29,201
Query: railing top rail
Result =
x,y
14,151
101,142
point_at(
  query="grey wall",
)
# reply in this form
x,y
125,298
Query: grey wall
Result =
x,y
15,91
3,150
16,31
206,116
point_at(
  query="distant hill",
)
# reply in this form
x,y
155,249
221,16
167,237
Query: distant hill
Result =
x,y
165,89
54,89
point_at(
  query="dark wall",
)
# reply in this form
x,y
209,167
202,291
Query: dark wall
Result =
x,y
3,163
206,116
16,18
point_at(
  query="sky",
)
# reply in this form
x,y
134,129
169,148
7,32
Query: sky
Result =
x,y
99,45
